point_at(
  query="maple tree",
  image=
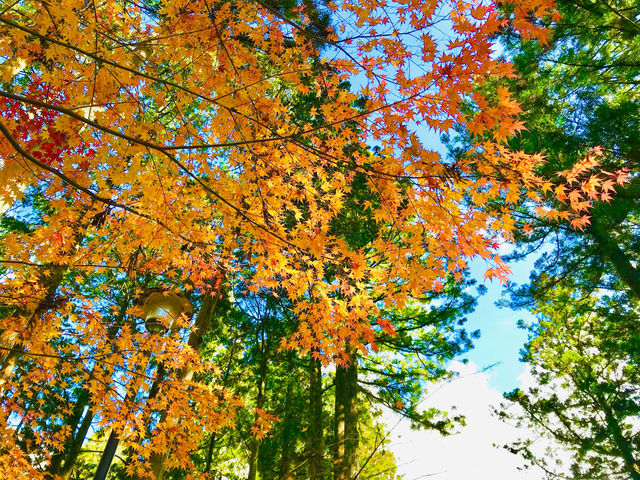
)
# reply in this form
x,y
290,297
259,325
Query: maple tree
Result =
x,y
166,142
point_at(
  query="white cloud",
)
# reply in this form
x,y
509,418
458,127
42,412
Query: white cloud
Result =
x,y
469,454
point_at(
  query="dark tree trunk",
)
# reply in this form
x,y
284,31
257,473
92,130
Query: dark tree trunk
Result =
x,y
346,419
79,428
50,278
76,445
316,438
254,445
8,340
74,421
212,442
623,444
73,446
288,440
620,261
625,447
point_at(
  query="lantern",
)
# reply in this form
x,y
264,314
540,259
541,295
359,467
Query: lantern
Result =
x,y
160,310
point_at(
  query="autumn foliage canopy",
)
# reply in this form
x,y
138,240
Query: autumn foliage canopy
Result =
x,y
202,142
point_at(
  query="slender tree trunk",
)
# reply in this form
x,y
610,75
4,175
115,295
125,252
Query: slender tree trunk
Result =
x,y
352,437
254,445
288,440
213,438
624,445
8,339
110,448
107,456
50,279
73,446
73,422
212,442
315,446
76,445
204,322
346,419
153,391
621,263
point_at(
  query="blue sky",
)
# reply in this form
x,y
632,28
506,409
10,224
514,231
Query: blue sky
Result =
x,y
501,339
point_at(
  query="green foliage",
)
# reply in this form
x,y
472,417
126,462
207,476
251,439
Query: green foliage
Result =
x,y
585,399
427,337
579,91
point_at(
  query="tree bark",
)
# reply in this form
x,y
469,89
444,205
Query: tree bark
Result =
x,y
55,466
615,433
346,419
76,445
621,263
288,438
254,445
73,446
624,446
622,443
9,340
212,442
315,445
50,283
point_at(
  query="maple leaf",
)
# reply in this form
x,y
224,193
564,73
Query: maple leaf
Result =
x,y
580,223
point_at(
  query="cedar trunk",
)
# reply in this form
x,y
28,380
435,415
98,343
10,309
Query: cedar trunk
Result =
x,y
316,439
346,419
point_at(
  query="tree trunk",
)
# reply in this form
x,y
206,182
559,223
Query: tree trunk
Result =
x,y
55,466
624,446
50,283
204,322
254,445
74,444
346,419
107,456
622,443
288,439
621,263
212,442
113,441
315,445
8,339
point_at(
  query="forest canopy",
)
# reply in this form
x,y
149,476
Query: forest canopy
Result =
x,y
224,220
